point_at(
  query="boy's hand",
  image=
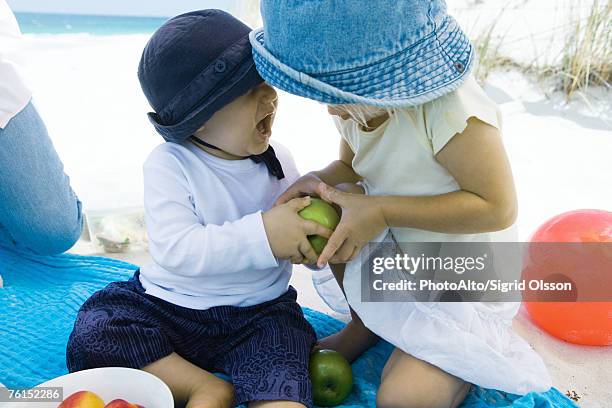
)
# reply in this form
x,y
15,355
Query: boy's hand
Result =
x,y
287,232
362,220
304,186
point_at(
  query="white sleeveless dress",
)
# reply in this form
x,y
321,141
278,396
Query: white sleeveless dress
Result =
x,y
473,341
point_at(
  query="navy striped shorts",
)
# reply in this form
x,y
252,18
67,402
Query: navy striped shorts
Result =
x,y
264,348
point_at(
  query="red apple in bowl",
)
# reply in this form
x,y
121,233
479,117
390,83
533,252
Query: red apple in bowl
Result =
x,y
83,399
119,403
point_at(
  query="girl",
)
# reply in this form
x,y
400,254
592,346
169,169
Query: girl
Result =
x,y
422,140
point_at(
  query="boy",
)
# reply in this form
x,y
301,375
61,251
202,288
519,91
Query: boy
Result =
x,y
217,296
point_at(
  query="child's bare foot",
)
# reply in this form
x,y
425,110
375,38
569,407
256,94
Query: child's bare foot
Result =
x,y
351,341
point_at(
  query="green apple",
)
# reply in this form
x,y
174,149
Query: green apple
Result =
x,y
331,377
323,213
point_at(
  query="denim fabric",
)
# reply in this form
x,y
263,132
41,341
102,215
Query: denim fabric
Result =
x,y
385,53
39,211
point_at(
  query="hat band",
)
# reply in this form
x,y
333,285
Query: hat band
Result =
x,y
205,84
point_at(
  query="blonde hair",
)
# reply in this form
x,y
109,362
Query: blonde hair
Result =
x,y
361,114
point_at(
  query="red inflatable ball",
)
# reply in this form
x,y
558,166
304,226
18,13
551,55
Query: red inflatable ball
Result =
x,y
573,248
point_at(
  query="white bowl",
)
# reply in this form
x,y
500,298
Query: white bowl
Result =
x,y
135,386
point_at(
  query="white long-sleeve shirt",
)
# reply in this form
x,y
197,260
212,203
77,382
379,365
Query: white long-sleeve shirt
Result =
x,y
14,94
206,235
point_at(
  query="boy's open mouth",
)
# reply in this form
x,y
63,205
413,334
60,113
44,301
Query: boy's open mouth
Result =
x,y
264,126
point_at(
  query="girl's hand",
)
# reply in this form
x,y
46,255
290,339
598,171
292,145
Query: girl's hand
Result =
x,y
362,220
304,186
352,188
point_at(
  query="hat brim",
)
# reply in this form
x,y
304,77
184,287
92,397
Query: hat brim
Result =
x,y
421,73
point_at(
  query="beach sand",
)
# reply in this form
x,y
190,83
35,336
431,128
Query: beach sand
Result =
x,y
87,92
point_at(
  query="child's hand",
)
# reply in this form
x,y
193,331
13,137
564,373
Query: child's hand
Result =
x,y
304,186
352,188
287,232
362,220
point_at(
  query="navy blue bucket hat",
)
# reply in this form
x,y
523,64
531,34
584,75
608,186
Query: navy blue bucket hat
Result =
x,y
388,53
192,66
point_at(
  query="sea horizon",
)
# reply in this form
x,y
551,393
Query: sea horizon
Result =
x,y
93,24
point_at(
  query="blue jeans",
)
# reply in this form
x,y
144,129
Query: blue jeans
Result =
x,y
39,212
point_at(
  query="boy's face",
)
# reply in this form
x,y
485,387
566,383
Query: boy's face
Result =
x,y
244,126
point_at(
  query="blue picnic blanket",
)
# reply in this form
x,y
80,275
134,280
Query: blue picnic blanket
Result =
x,y
42,294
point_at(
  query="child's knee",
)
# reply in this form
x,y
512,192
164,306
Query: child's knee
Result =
x,y
391,396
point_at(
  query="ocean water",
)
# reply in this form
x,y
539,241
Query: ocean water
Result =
x,y
45,23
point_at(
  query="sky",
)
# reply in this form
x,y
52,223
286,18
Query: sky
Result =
x,y
162,8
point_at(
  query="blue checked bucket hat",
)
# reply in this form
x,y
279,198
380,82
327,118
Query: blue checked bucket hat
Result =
x,y
388,53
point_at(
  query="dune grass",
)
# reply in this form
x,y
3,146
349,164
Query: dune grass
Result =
x,y
586,58
487,44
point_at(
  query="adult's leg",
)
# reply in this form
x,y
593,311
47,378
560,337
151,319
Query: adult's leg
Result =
x,y
408,382
39,211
